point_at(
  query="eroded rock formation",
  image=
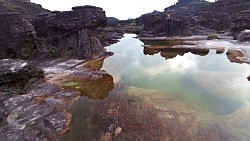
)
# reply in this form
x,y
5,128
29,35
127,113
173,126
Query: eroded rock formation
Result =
x,y
68,34
72,33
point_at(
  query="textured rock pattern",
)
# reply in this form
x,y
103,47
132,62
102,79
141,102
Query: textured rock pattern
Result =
x,y
78,19
68,34
71,33
19,72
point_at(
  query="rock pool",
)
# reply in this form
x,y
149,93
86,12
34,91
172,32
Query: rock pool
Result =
x,y
171,94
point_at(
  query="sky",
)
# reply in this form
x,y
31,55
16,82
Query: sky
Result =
x,y
121,9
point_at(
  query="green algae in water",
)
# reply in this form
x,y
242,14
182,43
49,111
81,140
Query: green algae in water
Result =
x,y
93,89
72,84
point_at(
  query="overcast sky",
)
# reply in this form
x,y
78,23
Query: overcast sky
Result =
x,y
121,9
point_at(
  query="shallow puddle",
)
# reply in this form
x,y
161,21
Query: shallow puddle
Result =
x,y
171,94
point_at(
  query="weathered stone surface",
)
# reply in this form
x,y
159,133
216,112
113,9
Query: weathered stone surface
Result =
x,y
30,113
17,73
68,34
81,17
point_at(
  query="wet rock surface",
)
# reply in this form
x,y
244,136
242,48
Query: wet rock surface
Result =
x,y
42,112
143,115
36,111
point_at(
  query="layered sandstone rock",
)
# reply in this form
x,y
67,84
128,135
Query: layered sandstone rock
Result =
x,y
71,33
68,34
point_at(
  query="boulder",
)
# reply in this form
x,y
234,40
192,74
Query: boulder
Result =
x,y
71,34
244,36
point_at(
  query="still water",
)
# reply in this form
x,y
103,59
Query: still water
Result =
x,y
211,82
168,95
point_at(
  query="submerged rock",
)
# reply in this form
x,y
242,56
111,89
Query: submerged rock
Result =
x,y
235,55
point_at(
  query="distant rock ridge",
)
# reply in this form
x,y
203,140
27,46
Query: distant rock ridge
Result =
x,y
192,17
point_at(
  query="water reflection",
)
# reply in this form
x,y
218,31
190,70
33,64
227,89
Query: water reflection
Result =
x,y
173,99
170,53
206,82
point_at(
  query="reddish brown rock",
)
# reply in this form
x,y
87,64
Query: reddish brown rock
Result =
x,y
233,56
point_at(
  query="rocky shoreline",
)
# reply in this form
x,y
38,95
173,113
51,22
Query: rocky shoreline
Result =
x,y
37,89
40,112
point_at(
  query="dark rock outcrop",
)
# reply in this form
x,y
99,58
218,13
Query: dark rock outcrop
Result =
x,y
17,36
68,34
244,36
18,72
112,21
186,24
198,17
240,23
71,33
16,77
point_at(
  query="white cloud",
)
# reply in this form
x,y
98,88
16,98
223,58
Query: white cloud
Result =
x,y
114,8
